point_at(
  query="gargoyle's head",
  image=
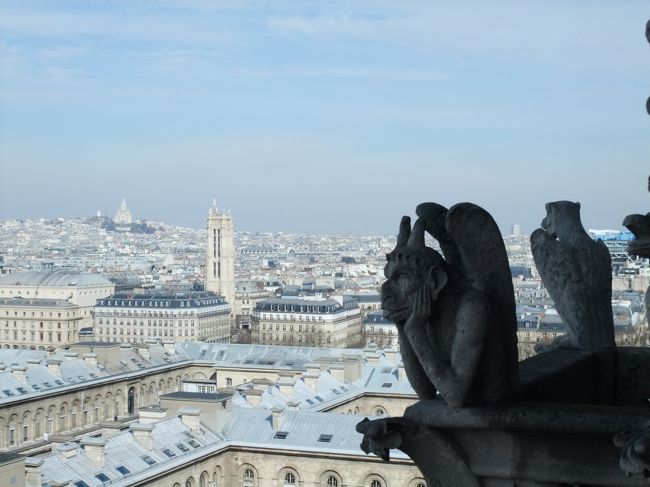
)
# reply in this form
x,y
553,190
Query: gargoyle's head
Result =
x,y
410,266
562,218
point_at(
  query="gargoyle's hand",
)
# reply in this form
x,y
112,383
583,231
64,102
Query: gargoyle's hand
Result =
x,y
421,309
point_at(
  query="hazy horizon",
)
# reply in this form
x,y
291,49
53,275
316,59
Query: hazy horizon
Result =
x,y
323,117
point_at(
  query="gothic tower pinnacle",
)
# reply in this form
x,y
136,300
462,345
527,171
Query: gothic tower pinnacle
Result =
x,y
220,263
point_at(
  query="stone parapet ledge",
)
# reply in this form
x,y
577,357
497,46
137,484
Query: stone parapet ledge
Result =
x,y
523,444
582,420
531,417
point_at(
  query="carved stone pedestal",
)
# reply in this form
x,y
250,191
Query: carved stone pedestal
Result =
x,y
532,443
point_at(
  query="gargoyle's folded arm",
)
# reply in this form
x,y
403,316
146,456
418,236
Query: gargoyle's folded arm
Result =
x,y
454,377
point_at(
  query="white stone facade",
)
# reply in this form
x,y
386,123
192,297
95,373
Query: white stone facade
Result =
x,y
190,316
220,258
306,322
38,323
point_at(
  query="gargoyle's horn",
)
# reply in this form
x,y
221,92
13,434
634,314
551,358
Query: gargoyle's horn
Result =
x,y
416,240
404,231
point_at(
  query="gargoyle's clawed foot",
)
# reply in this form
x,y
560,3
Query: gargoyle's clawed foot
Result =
x,y
635,453
380,436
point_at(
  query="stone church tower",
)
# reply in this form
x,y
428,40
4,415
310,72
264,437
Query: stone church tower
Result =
x,y
220,263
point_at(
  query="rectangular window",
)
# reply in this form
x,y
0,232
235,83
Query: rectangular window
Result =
x,y
148,460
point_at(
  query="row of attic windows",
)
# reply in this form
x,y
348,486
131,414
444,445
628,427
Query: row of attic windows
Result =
x,y
165,303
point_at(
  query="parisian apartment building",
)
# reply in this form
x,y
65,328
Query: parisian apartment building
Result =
x,y
182,316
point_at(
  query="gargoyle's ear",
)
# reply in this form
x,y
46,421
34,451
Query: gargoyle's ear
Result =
x,y
439,278
578,204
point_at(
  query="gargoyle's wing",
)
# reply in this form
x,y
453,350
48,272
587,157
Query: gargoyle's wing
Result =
x,y
553,261
482,253
485,265
434,217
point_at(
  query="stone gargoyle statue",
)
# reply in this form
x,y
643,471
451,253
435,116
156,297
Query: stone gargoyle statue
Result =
x,y
639,225
577,273
455,315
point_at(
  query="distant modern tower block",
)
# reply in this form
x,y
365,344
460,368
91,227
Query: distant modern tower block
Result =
x,y
220,263
516,231
123,214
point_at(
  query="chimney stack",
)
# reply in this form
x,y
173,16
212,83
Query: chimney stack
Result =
x,y
152,414
253,397
90,359
33,472
285,386
191,417
169,347
276,418
143,351
338,372
19,373
142,434
311,379
68,450
54,367
94,448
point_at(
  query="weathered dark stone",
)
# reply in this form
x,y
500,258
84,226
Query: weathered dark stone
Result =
x,y
447,467
570,376
577,273
522,444
639,225
635,446
455,316
647,30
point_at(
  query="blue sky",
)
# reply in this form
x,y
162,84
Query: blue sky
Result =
x,y
323,116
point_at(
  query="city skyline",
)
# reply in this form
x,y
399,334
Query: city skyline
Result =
x,y
322,117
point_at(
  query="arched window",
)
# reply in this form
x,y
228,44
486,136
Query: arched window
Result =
x,y
203,479
289,479
332,481
249,478
38,430
228,382
50,420
85,410
12,432
25,427
62,418
107,406
96,410
379,411
375,483
73,416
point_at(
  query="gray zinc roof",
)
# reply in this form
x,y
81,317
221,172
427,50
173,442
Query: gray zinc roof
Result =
x,y
124,451
53,278
305,430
